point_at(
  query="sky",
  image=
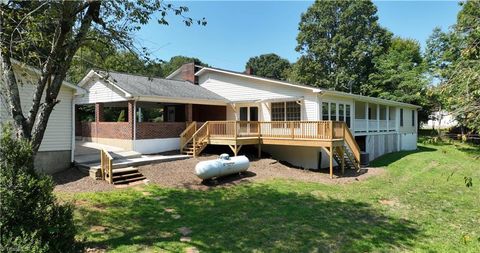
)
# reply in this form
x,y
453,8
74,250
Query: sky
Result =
x,y
237,31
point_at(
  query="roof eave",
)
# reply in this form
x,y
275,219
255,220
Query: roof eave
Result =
x,y
204,69
367,99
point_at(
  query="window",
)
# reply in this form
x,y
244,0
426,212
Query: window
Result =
x,y
286,111
369,112
413,117
347,114
254,113
341,112
324,111
333,111
243,113
293,111
278,111
401,117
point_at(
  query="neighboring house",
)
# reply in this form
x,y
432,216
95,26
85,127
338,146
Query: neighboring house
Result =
x,y
57,148
195,93
440,120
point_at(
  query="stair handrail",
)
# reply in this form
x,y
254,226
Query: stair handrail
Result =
x,y
351,143
187,134
197,137
106,161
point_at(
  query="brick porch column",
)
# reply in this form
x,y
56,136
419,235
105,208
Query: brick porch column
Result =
x,y
98,118
131,116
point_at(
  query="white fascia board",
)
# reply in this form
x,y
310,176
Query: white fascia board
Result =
x,y
204,69
180,100
368,99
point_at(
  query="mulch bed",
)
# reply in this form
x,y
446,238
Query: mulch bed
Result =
x,y
181,174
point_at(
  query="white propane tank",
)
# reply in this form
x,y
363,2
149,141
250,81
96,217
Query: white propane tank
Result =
x,y
224,165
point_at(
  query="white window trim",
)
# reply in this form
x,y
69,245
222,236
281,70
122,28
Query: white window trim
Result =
x,y
285,110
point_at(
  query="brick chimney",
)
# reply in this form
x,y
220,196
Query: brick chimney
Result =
x,y
249,71
187,72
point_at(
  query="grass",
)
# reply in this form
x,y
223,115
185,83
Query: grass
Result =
x,y
420,204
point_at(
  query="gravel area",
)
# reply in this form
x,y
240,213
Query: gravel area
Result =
x,y
180,174
73,180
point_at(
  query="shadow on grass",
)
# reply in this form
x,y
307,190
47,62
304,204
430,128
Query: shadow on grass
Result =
x,y
249,218
390,158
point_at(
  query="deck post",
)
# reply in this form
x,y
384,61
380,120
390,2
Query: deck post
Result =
x,y
194,147
331,160
331,129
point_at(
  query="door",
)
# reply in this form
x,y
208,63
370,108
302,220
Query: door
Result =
x,y
248,113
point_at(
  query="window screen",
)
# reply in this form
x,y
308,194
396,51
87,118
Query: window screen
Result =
x,y
324,111
333,111
347,114
278,111
293,111
341,112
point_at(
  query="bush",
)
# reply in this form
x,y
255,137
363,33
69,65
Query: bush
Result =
x,y
31,219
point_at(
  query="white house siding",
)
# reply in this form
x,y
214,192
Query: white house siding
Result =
x,y
100,91
242,89
55,150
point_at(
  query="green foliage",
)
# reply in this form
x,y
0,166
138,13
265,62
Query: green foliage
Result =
x,y
32,220
399,76
177,61
454,58
270,66
339,41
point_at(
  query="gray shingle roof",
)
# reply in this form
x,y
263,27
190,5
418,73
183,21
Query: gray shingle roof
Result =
x,y
147,86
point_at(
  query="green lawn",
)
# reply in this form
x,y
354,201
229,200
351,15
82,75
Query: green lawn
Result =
x,y
420,204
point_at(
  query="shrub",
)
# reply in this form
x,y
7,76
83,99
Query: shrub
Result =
x,y
31,219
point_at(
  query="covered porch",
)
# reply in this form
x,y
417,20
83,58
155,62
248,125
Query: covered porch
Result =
x,y
143,126
372,117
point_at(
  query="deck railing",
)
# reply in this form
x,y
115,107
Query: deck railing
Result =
x,y
186,135
292,130
106,166
321,130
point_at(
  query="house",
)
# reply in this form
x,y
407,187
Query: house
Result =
x,y
57,147
440,120
300,124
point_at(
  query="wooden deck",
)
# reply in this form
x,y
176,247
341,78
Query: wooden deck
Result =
x,y
333,136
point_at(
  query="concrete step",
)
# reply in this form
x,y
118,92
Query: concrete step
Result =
x,y
95,158
93,169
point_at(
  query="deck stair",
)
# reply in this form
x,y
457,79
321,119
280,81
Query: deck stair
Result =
x,y
350,162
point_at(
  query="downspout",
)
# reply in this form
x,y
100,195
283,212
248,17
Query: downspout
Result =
x,y
72,152
134,123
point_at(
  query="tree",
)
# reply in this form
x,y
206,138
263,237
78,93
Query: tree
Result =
x,y
48,35
177,61
270,66
454,57
399,76
338,41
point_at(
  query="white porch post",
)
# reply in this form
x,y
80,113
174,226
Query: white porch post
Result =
x,y
378,118
388,117
367,120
